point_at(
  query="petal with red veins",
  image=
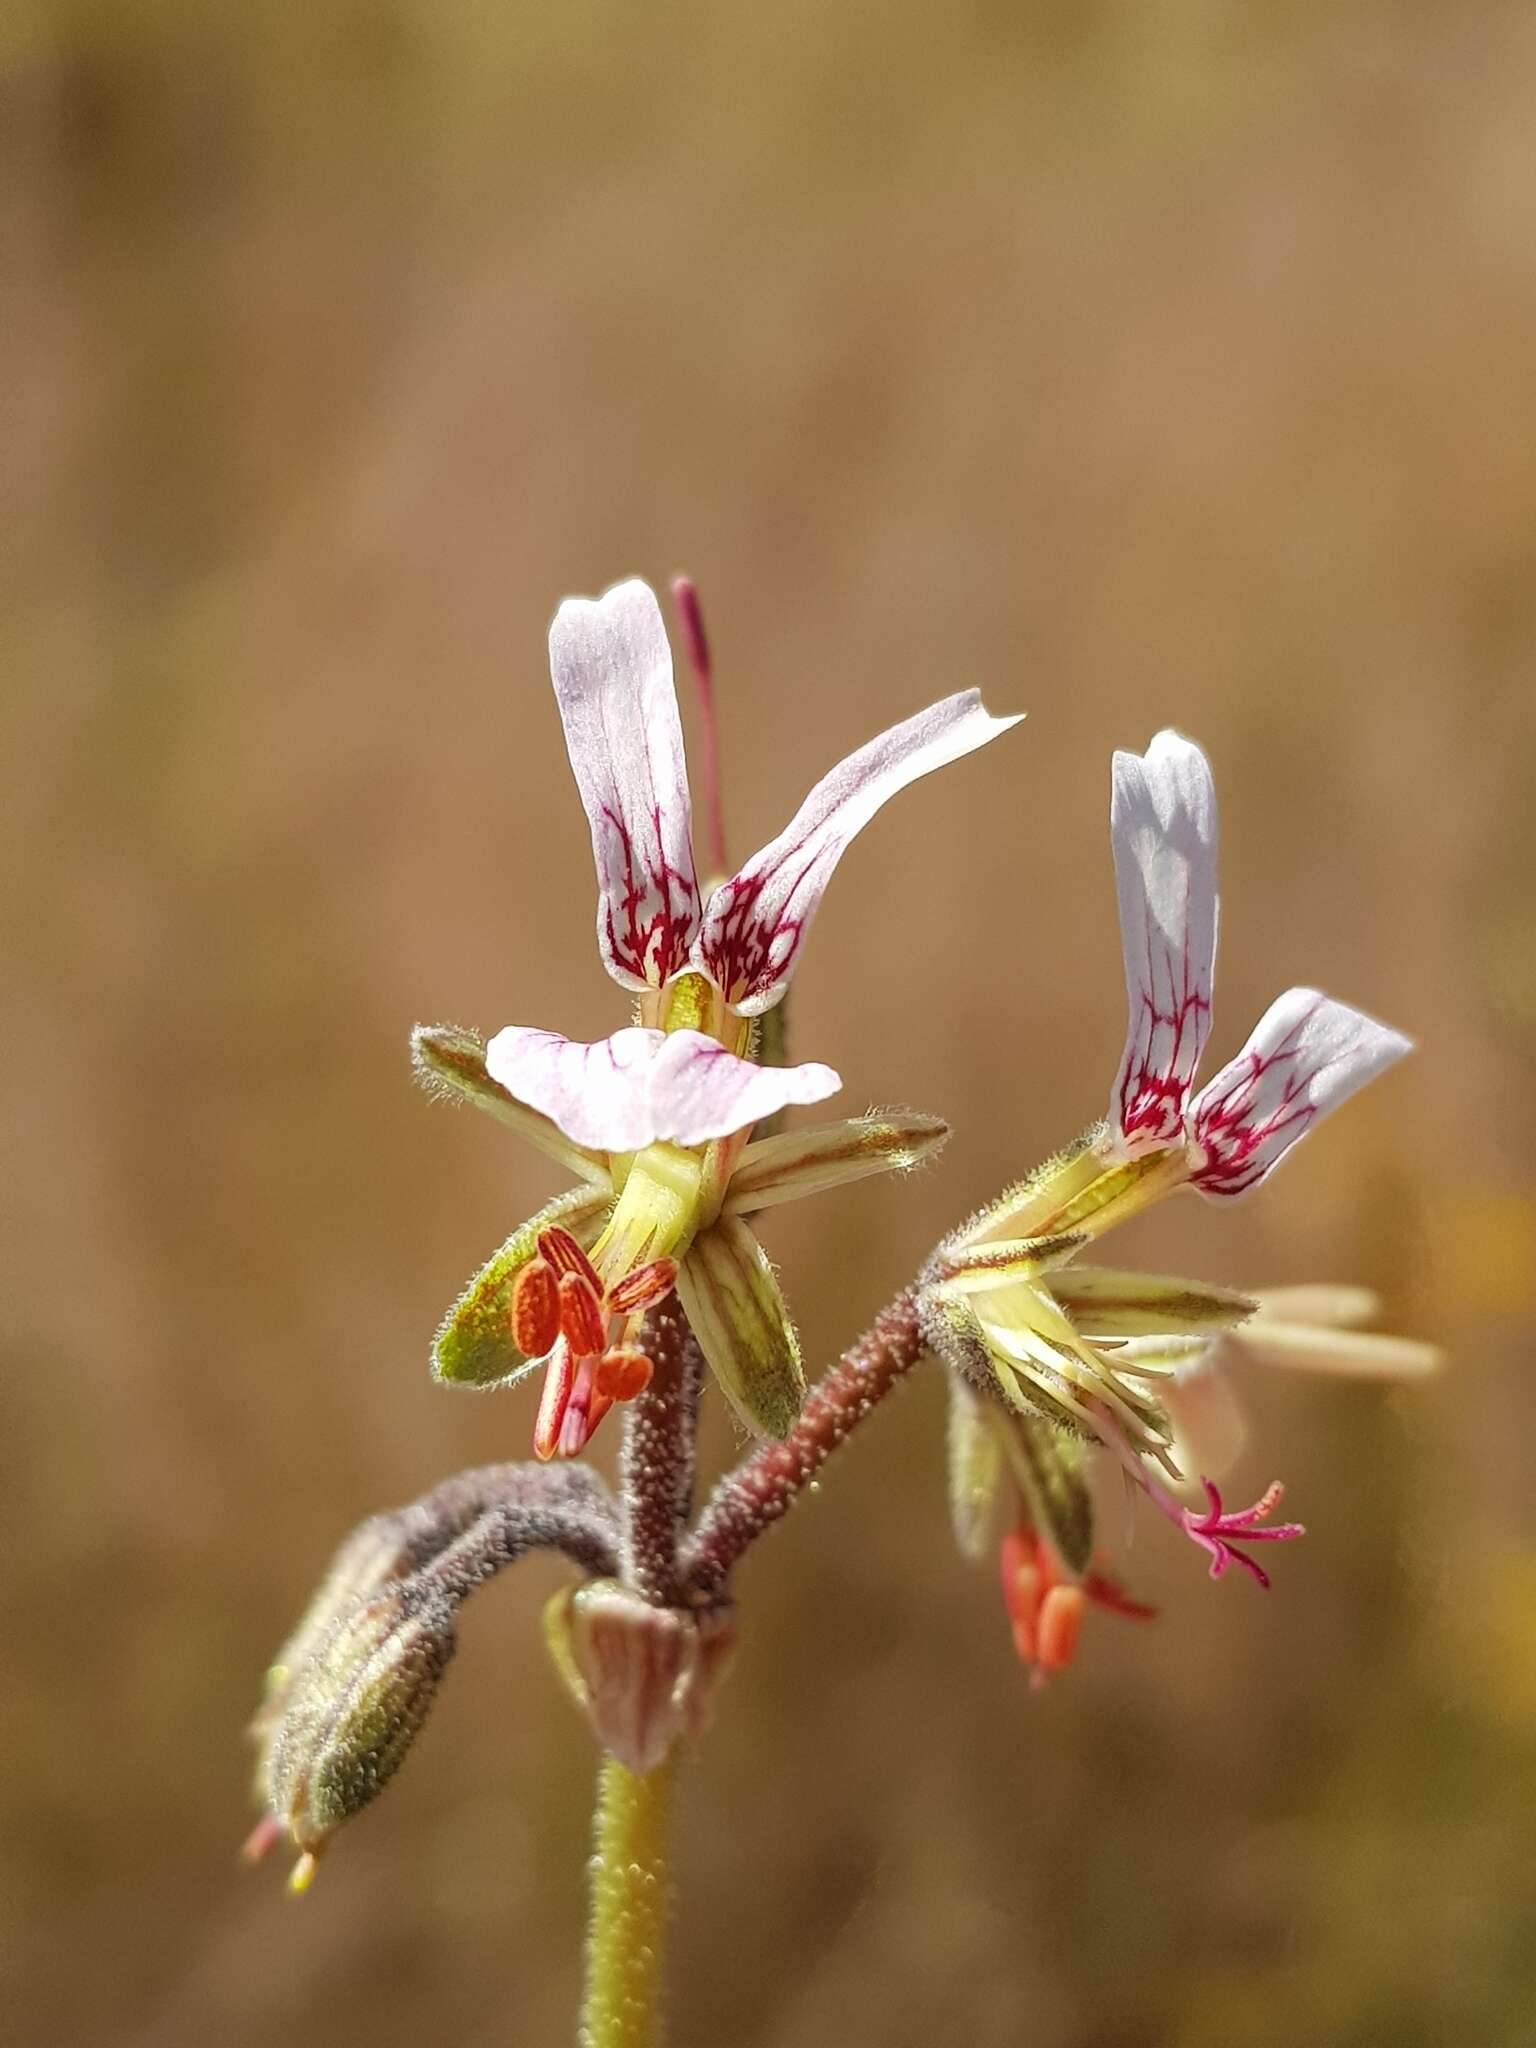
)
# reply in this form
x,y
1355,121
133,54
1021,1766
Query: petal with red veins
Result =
x,y
754,924
600,1095
699,1090
612,671
1306,1056
1163,827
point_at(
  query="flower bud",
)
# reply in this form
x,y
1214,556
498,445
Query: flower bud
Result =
x,y
643,1675
353,1711
384,1547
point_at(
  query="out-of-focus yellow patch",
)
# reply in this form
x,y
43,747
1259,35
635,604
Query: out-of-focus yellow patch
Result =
x,y
1483,1251
1492,1626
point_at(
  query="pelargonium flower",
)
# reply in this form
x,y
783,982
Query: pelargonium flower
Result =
x,y
1069,1354
656,1120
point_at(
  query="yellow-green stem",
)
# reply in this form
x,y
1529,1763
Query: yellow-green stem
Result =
x,y
629,1908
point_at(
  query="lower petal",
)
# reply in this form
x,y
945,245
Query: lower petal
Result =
x,y
597,1094
699,1090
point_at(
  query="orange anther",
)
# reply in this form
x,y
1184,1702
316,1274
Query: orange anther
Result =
x,y
1059,1625
645,1285
567,1256
582,1322
535,1309
623,1373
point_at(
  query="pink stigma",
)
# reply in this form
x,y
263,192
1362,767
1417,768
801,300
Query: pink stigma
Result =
x,y
1220,1533
690,619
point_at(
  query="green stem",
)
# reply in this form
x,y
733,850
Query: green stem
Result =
x,y
629,1908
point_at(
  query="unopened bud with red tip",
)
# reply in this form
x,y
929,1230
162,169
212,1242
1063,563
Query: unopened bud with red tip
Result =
x,y
644,1676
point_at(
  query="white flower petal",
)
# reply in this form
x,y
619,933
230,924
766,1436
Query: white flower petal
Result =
x,y
600,1095
754,923
1320,1301
1163,827
699,1091
1307,1055
1352,1354
1209,1427
612,671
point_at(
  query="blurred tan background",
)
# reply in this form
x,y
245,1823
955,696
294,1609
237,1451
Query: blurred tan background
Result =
x,y
1144,363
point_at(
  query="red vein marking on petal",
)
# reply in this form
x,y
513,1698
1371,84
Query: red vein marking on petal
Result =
x,y
1222,1125
653,947
1157,1080
750,953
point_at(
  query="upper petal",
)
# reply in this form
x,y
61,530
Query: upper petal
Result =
x,y
597,1094
754,923
700,1091
1307,1055
612,671
1163,827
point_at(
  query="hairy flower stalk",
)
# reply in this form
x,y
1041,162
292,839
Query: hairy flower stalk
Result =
x,y
644,1282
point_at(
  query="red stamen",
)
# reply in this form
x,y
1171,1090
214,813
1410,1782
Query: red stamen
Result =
x,y
535,1309
622,1373
566,1256
559,1377
1047,1610
642,1288
691,620
1109,1594
582,1322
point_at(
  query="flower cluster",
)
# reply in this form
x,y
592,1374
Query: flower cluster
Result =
x,y
625,1287
1052,1356
657,1120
